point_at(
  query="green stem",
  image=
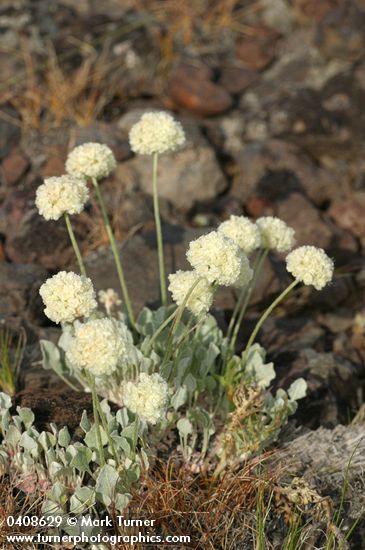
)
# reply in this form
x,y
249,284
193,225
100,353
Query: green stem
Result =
x,y
95,398
179,313
160,329
106,429
135,436
156,208
246,298
114,248
75,245
265,315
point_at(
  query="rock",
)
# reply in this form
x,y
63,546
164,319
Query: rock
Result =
x,y
9,130
19,297
185,177
312,228
325,458
278,168
13,167
236,79
54,166
349,214
191,89
139,260
257,49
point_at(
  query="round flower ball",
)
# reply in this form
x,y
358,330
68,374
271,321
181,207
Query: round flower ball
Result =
x,y
276,234
201,298
148,397
67,296
97,346
311,266
243,232
156,132
61,195
91,160
216,258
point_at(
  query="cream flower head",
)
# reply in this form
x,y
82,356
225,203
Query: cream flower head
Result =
x,y
276,234
110,299
156,132
148,398
216,258
61,195
91,160
97,346
201,297
311,266
67,296
243,232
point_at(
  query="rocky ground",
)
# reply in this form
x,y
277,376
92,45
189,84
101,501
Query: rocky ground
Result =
x,y
271,95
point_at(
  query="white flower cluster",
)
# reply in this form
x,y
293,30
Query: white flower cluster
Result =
x,y
156,133
110,299
148,398
243,232
91,160
61,195
276,234
310,265
216,258
97,346
67,296
201,297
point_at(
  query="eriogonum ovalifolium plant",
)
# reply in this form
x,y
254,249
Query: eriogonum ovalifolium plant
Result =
x,y
168,369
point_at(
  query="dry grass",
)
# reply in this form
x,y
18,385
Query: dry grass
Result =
x,y
215,512
59,94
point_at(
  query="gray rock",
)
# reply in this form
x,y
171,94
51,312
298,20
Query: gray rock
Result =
x,y
19,297
139,259
185,177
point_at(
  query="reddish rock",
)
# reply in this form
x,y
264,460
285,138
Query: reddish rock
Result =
x,y
13,167
257,49
55,166
349,214
236,79
312,9
314,228
192,90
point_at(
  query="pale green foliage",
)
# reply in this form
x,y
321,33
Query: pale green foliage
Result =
x,y
67,471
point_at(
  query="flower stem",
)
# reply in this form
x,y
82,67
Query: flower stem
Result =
x,y
75,245
161,328
246,296
95,398
156,208
135,436
179,314
265,315
114,248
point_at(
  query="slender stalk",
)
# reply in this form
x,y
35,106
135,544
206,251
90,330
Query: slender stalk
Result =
x,y
135,436
265,315
161,328
114,248
156,208
179,313
106,429
95,398
241,298
75,245
246,296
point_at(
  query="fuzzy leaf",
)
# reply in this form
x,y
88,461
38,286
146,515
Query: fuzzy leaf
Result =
x,y
105,484
298,389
